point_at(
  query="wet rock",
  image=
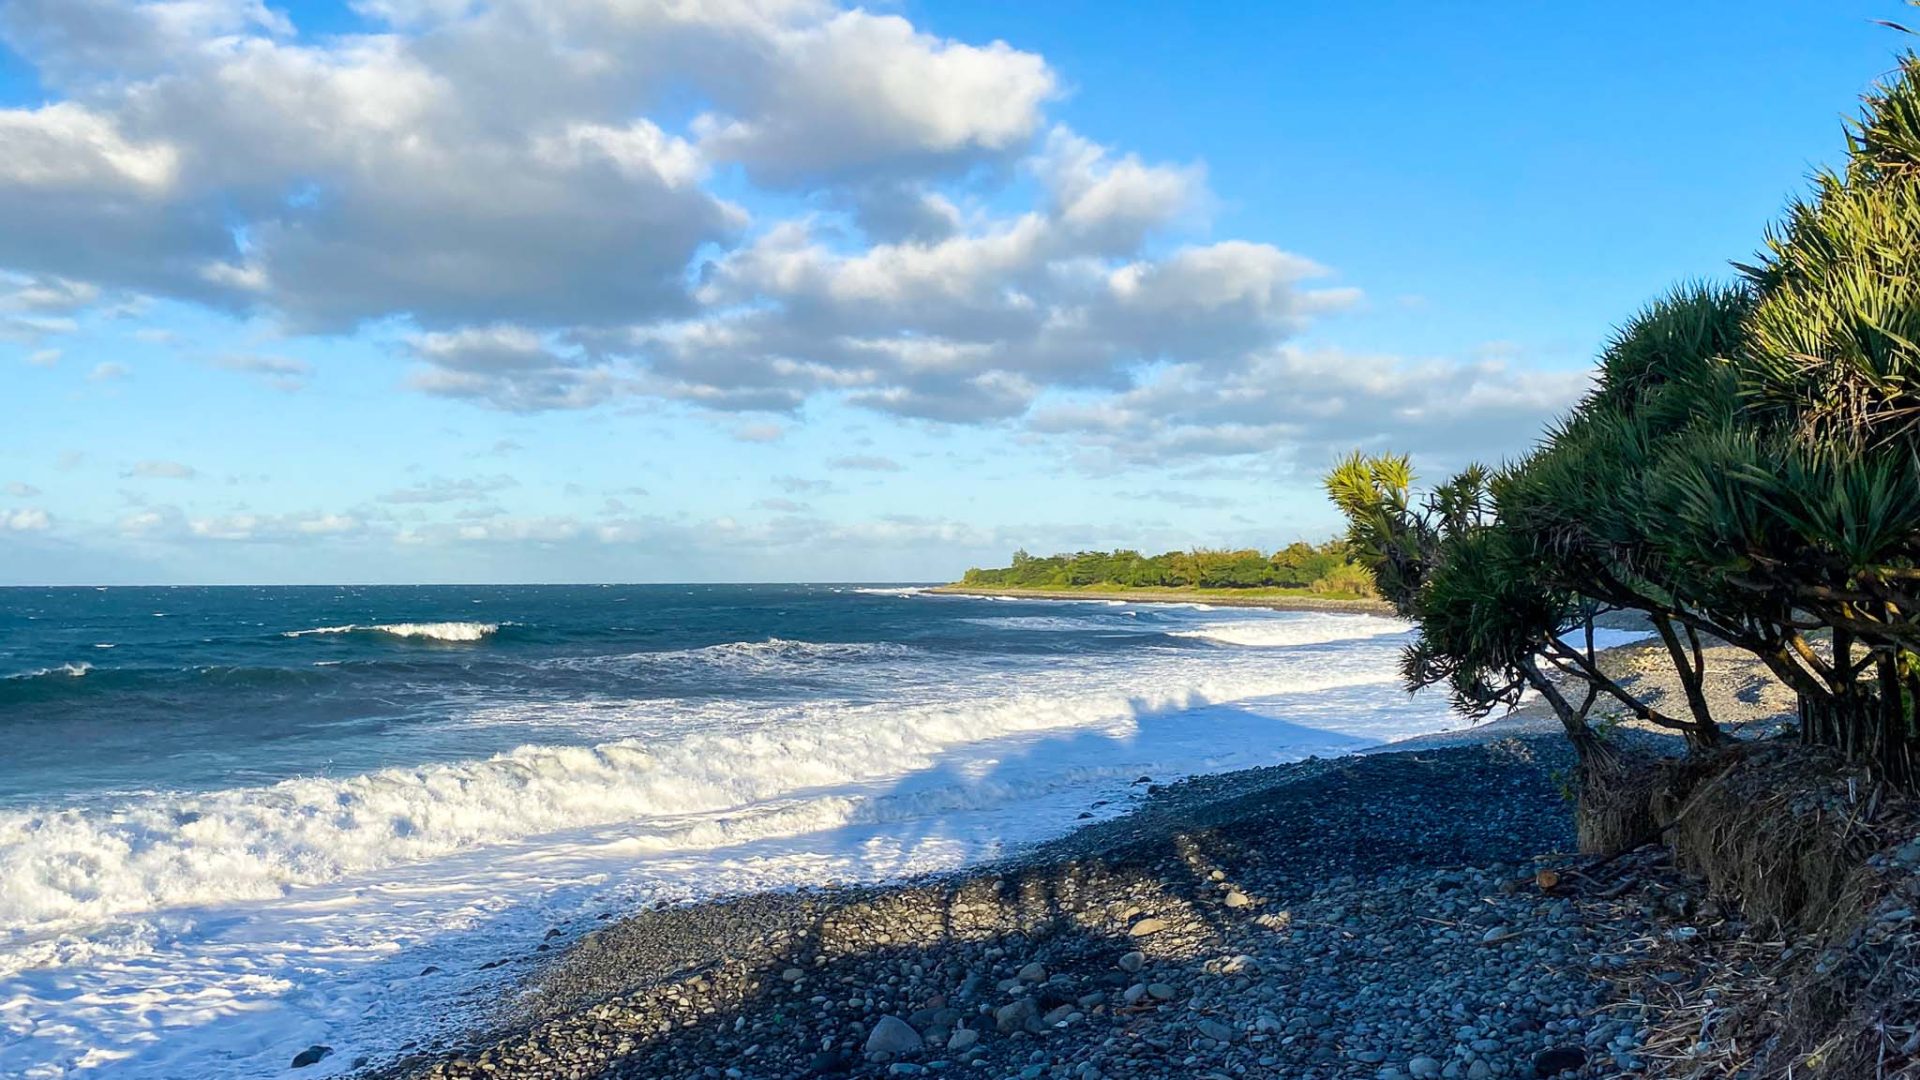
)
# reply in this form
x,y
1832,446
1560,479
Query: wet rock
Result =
x,y
1217,1031
1556,1060
312,1055
1014,1016
829,1063
892,1035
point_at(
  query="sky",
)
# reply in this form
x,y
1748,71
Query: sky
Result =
x,y
781,290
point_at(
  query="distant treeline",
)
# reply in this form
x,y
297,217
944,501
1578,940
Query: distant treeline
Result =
x,y
1323,568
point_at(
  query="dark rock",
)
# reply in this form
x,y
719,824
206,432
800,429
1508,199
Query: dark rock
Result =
x,y
829,1063
1014,1016
1556,1060
311,1055
892,1035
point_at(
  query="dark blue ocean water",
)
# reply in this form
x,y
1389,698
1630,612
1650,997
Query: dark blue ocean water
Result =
x,y
197,688
235,819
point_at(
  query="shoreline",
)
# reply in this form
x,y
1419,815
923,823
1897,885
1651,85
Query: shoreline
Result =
x,y
1371,916
1299,920
1139,596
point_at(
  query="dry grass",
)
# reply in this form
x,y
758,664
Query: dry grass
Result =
x,y
1817,975
1780,826
1615,810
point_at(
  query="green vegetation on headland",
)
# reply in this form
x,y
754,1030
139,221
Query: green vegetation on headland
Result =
x,y
1298,570
1746,468
1275,599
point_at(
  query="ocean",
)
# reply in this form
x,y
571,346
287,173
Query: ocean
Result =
x,y
238,821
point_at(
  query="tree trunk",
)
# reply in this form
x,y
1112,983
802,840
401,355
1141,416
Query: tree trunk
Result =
x,y
1703,734
1586,745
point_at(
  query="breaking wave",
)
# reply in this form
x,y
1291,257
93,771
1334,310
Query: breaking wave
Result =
x,y
805,770
63,671
434,631
1305,630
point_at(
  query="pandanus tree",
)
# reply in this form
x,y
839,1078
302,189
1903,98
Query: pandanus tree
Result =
x,y
1490,626
1746,468
1830,373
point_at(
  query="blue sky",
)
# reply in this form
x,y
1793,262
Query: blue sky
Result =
x,y
440,290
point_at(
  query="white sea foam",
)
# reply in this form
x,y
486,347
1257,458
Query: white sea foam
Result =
x,y
71,669
770,655
215,934
1062,623
437,631
908,590
60,867
1313,629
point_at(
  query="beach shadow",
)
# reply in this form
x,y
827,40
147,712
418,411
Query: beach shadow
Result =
x,y
721,983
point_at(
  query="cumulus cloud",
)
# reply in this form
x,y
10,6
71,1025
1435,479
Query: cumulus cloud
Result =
x,y
1317,404
26,520
858,94
168,523
511,368
516,186
34,307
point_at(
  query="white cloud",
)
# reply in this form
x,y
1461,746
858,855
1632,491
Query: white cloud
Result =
x,y
108,371
67,148
514,184
171,524
858,94
33,308
1317,404
512,368
44,357
26,520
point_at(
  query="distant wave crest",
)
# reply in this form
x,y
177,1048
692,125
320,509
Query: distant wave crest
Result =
x,y
434,631
1307,630
772,655
64,671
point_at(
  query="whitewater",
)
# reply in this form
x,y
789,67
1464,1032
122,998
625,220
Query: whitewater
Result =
x,y
354,816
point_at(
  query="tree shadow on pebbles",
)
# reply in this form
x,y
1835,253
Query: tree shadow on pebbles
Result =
x,y
1232,926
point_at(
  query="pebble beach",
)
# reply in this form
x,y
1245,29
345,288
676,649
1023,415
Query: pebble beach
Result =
x,y
1376,916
